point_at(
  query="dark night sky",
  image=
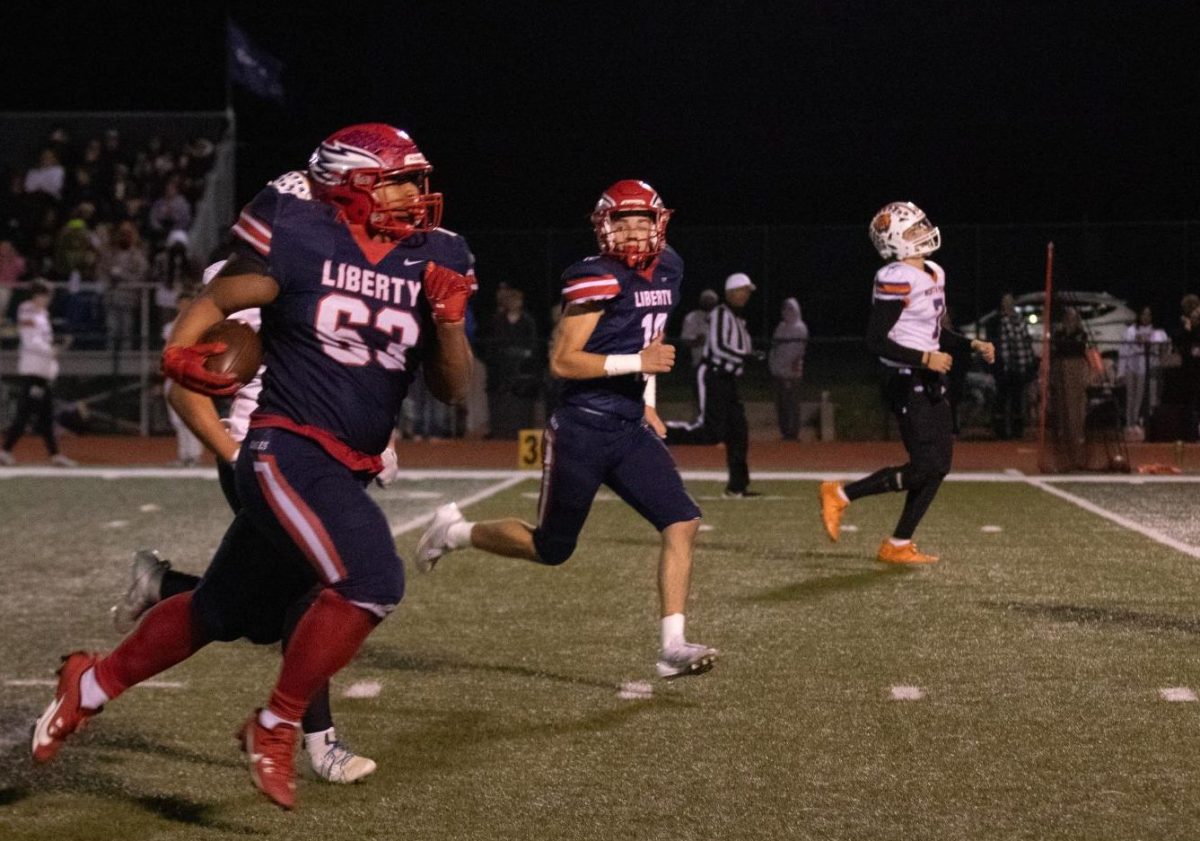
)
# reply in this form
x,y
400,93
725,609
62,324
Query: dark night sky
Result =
x,y
801,112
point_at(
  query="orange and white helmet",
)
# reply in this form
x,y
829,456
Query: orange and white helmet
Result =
x,y
901,230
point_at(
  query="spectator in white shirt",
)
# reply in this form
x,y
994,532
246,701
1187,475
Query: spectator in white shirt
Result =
x,y
1138,366
37,367
47,177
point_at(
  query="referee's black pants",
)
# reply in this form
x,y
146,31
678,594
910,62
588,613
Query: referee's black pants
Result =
x,y
722,421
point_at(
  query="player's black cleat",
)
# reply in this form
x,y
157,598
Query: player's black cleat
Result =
x,y
145,589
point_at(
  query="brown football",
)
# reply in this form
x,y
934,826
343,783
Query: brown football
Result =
x,y
243,355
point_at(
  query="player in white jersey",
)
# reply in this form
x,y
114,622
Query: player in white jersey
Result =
x,y
907,333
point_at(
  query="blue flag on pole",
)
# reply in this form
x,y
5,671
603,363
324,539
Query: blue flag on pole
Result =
x,y
252,67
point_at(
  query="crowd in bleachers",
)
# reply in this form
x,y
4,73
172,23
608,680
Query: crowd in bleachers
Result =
x,y
96,217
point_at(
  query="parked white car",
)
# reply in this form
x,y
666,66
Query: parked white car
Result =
x,y
1104,316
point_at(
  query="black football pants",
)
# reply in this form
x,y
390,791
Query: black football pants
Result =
x,y
37,403
919,402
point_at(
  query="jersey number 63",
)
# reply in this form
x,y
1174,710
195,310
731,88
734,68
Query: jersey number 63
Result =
x,y
338,316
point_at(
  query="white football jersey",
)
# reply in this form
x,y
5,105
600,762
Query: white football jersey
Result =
x,y
246,400
36,357
924,296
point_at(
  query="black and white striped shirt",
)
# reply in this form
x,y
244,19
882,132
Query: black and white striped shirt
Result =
x,y
728,341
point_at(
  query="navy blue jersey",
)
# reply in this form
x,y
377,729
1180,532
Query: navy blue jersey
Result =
x,y
343,339
636,306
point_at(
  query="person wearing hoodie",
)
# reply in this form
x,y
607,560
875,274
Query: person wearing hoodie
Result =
x,y
786,362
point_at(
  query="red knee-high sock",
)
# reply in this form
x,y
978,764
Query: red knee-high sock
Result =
x,y
326,639
168,634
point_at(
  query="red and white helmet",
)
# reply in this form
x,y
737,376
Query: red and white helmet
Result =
x,y
629,198
349,164
901,230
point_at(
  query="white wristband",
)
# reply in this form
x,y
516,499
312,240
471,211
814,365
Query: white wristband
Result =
x,y
650,395
622,363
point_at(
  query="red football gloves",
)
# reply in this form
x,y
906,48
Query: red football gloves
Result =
x,y
185,365
447,292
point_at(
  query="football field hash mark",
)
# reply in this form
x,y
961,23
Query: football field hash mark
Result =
x,y
635,690
907,693
1177,694
991,529
363,689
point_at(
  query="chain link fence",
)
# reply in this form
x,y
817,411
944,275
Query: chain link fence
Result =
x,y
113,362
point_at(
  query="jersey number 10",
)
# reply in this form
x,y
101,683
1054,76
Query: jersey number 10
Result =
x,y
652,324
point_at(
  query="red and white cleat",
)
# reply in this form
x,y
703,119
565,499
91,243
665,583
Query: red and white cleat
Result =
x,y
271,754
65,714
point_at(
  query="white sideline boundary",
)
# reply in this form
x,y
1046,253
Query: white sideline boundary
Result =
x,y
422,521
1154,534
53,682
208,473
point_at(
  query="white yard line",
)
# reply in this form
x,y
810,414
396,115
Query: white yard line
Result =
x,y
363,689
491,490
1123,522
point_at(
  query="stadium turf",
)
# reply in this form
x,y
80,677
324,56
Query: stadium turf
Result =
x,y
1033,657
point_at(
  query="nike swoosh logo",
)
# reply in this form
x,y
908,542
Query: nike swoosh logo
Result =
x,y
41,733
255,757
408,262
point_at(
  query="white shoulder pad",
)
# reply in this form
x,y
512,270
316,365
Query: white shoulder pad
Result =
x,y
212,271
294,183
895,273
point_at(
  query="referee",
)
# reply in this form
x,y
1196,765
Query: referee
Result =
x,y
722,414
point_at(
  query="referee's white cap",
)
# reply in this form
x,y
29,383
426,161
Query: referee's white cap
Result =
x,y
738,280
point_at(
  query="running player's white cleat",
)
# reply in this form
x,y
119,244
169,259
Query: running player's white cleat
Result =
x,y
684,659
435,542
332,759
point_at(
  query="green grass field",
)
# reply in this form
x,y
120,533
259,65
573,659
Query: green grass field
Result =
x,y
1040,650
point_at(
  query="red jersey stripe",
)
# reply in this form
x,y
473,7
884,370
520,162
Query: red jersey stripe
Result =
x,y
251,239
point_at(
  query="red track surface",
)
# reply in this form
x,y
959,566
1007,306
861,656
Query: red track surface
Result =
x,y
764,455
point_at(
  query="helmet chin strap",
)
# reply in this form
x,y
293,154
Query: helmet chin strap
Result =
x,y
392,234
636,259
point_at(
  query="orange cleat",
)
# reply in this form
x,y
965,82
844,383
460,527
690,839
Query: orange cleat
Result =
x,y
271,754
66,714
906,554
832,506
